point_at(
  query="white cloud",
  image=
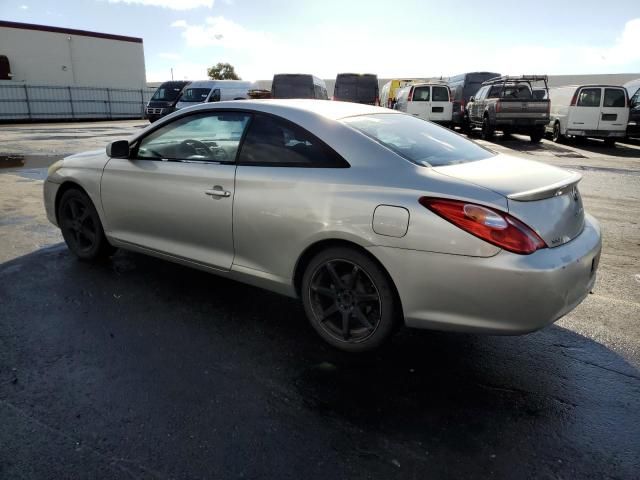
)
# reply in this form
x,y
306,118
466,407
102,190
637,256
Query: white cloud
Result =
x,y
219,31
24,7
172,4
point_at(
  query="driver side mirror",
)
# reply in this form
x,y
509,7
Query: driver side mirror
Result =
x,y
472,99
118,149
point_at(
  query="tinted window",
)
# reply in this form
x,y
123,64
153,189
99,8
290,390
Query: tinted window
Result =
x,y
419,141
167,93
293,86
589,97
272,141
635,99
614,97
195,94
421,94
204,137
440,94
510,91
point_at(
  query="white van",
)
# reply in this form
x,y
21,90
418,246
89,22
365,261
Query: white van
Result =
x,y
213,91
597,111
428,101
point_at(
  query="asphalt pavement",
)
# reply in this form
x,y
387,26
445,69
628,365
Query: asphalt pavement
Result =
x,y
140,368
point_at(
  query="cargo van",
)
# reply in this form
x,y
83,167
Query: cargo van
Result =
x,y
203,91
357,88
298,85
463,87
163,102
428,101
633,91
596,111
390,89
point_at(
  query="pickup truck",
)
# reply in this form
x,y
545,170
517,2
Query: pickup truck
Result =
x,y
508,104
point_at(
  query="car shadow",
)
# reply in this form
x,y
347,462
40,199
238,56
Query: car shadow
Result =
x,y
140,348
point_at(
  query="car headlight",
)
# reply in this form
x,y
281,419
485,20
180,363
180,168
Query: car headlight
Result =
x,y
55,167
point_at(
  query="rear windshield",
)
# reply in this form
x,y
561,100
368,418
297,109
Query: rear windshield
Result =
x,y
293,87
510,91
357,88
614,97
419,141
195,94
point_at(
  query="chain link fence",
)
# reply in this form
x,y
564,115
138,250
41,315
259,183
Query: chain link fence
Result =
x,y
20,102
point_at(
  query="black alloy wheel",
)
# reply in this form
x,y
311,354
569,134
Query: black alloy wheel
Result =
x,y
81,226
349,300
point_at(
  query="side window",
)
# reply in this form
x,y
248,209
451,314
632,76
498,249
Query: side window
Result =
x,y
207,136
274,142
440,94
421,94
589,97
614,97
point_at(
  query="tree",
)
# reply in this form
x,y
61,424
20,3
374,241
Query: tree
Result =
x,y
223,71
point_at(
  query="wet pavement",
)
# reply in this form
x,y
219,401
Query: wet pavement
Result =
x,y
139,368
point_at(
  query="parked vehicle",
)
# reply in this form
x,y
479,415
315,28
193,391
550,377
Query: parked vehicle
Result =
x,y
633,92
356,87
390,89
463,87
163,102
597,111
428,100
204,91
298,85
507,104
370,216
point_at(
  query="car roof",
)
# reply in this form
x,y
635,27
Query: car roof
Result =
x,y
333,110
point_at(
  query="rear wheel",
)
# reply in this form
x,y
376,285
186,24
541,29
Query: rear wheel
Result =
x,y
557,136
610,142
81,226
536,135
349,300
487,129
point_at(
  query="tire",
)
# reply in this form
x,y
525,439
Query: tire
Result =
x,y
506,132
349,300
536,135
610,142
557,136
81,226
487,129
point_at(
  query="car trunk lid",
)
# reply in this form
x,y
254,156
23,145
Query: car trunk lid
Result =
x,y
544,197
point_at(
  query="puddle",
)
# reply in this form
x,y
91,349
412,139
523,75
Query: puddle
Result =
x,y
11,161
620,171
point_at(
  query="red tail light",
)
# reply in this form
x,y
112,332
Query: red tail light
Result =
x,y
410,97
462,105
498,106
493,226
574,99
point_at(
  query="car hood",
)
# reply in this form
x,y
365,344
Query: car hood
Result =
x,y
512,177
89,159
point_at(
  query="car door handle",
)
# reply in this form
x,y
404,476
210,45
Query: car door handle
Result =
x,y
217,191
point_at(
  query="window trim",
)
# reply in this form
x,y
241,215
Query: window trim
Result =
x,y
133,152
286,121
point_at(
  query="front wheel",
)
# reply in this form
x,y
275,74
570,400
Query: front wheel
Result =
x,y
81,226
349,300
557,136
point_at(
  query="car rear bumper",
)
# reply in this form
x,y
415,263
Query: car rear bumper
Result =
x,y
633,129
505,294
598,133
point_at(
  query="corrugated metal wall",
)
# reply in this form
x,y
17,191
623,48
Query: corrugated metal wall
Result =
x,y
21,102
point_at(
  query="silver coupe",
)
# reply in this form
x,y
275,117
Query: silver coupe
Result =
x,y
372,217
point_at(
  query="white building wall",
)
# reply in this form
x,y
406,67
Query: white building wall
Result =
x,y
53,58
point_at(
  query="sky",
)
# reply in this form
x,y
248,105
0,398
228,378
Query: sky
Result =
x,y
411,38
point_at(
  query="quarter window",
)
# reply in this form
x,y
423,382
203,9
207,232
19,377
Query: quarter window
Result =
x,y
589,97
274,142
421,94
614,97
212,137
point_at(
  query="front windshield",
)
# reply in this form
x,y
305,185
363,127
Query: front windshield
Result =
x,y
195,94
166,94
419,141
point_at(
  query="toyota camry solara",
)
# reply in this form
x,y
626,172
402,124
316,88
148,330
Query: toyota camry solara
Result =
x,y
372,217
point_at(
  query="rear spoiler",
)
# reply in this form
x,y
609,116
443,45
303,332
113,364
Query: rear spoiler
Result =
x,y
553,190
